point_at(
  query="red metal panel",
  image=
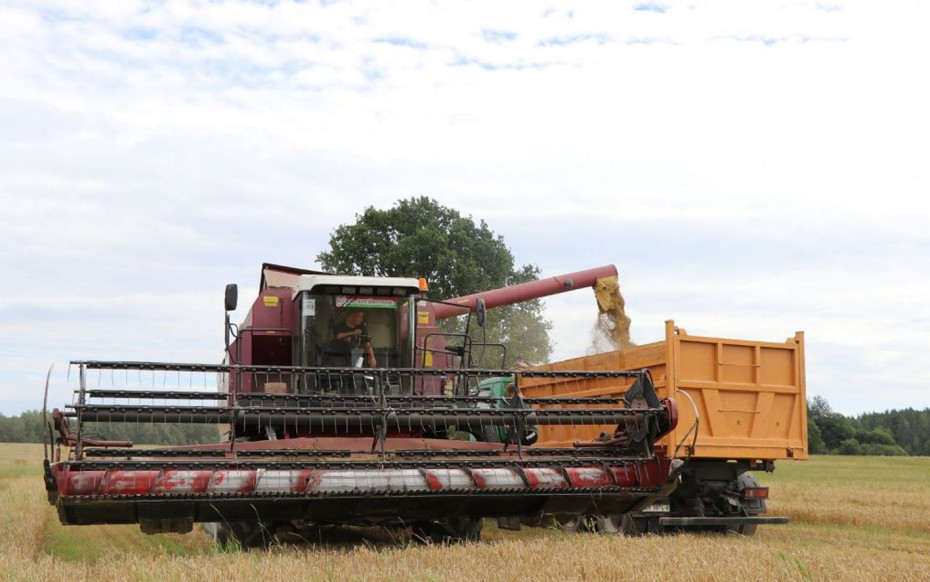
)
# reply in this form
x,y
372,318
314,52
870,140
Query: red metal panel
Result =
x,y
116,482
525,291
273,309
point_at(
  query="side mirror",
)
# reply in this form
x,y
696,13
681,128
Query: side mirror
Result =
x,y
480,311
232,296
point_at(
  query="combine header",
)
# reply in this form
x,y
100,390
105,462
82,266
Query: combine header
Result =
x,y
341,401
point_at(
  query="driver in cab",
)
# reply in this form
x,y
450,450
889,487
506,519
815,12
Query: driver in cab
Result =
x,y
354,332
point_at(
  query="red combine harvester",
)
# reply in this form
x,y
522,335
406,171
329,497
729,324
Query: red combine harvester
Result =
x,y
342,401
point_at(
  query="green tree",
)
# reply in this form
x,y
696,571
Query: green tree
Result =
x,y
876,436
28,427
877,450
889,433
834,428
818,408
814,439
850,447
418,237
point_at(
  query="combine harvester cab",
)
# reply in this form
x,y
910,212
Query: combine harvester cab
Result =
x,y
312,436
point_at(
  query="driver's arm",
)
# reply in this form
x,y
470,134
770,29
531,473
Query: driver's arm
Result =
x,y
372,361
348,333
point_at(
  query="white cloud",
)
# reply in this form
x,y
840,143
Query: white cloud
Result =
x,y
752,168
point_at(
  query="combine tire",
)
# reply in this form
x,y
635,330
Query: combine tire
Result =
x,y
606,524
242,535
572,524
602,524
456,530
489,434
634,525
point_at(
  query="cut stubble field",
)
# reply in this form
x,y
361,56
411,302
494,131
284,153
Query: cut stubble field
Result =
x,y
852,518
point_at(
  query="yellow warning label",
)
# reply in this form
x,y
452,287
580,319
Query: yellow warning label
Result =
x,y
428,359
270,300
422,317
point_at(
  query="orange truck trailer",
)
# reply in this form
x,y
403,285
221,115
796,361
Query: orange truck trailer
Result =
x,y
742,406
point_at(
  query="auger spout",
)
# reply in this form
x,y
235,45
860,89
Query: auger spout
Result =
x,y
524,291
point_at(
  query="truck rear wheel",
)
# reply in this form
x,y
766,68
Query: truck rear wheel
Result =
x,y
746,480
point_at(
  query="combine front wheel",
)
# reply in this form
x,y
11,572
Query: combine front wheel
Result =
x,y
240,534
572,523
607,524
636,525
456,530
603,524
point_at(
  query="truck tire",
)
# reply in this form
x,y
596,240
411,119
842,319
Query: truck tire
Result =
x,y
743,481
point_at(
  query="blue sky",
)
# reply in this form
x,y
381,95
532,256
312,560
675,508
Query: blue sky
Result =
x,y
752,169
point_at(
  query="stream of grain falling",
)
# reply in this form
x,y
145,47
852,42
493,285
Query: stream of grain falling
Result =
x,y
612,330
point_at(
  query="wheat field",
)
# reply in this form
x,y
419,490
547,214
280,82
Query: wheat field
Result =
x,y
852,518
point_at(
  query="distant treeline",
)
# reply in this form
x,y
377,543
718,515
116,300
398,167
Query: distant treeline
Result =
x,y
28,428
893,432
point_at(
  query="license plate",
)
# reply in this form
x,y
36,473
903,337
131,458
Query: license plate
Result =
x,y
658,508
